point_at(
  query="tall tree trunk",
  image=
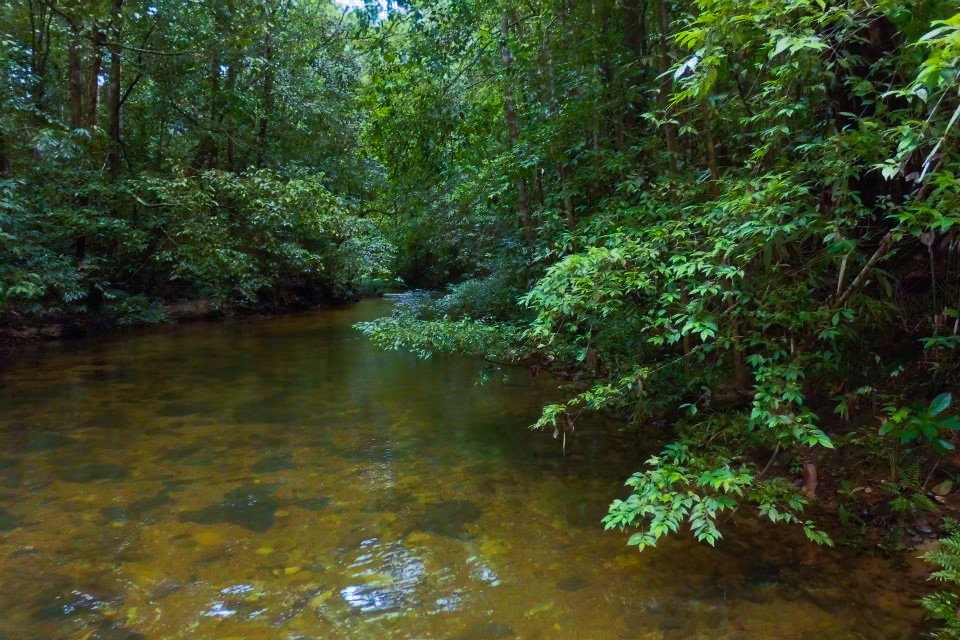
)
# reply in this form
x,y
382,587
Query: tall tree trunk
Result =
x,y
513,128
41,18
4,158
116,93
93,79
708,140
75,79
634,39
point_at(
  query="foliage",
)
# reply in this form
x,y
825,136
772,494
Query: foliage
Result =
x,y
921,424
191,150
942,606
730,217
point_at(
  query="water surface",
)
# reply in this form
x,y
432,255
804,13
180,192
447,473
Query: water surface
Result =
x,y
282,479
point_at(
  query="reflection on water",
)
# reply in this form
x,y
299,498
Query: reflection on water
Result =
x,y
282,479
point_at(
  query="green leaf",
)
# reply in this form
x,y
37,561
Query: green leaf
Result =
x,y
939,403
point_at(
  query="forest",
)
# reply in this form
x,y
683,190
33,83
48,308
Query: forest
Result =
x,y
728,224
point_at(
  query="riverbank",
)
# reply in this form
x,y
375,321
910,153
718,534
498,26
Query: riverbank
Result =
x,y
24,326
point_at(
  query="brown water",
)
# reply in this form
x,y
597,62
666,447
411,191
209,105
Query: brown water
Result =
x,y
282,479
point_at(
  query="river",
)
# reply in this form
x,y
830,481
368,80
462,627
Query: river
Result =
x,y
282,479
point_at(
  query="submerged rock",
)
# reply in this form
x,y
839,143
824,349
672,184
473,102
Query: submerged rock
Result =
x,y
251,507
448,518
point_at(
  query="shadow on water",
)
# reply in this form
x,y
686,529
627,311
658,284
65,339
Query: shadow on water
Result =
x,y
284,479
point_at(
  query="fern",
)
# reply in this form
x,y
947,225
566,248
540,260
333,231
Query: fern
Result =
x,y
944,606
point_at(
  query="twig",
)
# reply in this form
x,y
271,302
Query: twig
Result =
x,y
776,450
885,244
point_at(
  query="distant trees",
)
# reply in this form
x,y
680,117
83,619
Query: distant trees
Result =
x,y
119,120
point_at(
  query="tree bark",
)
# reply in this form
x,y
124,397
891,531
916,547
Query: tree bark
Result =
x,y
634,39
4,158
93,80
708,139
40,19
75,79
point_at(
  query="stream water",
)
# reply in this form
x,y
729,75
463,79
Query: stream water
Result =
x,y
282,479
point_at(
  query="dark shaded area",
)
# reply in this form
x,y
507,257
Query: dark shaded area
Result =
x,y
181,409
91,473
389,501
573,583
274,463
251,507
586,514
11,473
7,521
136,510
29,440
487,631
183,453
313,504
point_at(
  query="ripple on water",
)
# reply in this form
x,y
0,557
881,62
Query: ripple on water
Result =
x,y
391,573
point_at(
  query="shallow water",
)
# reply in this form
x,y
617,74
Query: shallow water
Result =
x,y
282,479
